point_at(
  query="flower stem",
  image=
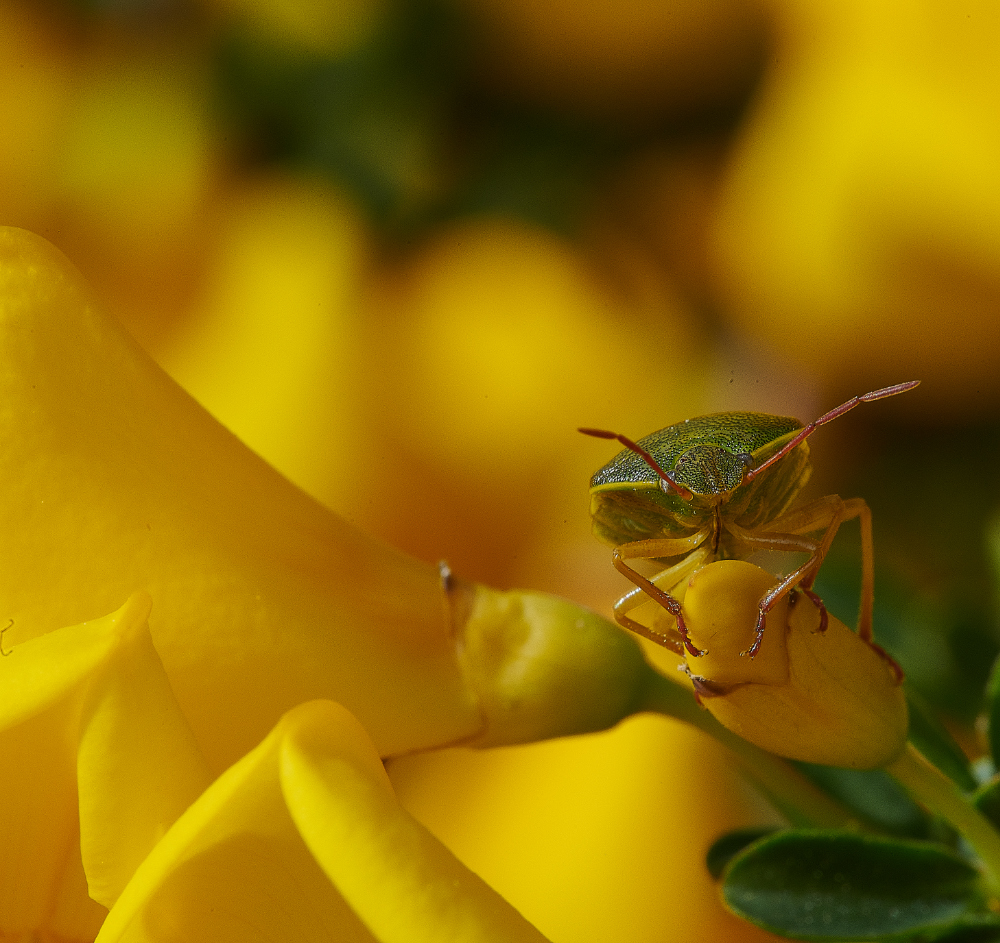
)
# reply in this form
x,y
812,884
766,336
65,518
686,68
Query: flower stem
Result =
x,y
940,795
802,802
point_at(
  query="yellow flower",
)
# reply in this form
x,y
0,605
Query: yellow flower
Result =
x,y
862,206
825,697
303,840
118,485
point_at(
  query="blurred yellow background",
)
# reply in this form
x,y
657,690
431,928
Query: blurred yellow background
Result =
x,y
404,249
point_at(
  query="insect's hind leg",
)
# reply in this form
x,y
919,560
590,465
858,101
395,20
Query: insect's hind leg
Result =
x,y
829,513
652,549
788,532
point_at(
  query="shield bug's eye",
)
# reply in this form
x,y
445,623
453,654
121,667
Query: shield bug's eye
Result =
x,y
747,459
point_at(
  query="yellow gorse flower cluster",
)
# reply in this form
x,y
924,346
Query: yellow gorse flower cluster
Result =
x,y
241,610
202,669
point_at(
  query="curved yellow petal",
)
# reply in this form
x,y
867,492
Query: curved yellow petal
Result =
x,y
44,671
96,762
404,884
835,699
236,866
138,765
114,478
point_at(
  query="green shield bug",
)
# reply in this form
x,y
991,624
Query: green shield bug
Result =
x,y
722,487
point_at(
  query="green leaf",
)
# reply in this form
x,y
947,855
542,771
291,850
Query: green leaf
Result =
x,y
816,885
930,737
993,710
874,796
987,800
724,849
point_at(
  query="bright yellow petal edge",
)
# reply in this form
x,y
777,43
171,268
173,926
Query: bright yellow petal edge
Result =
x,y
115,480
97,762
303,840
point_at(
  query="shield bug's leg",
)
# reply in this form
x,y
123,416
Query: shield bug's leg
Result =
x,y
824,513
816,515
803,574
629,601
894,665
654,549
663,598
828,514
856,507
639,596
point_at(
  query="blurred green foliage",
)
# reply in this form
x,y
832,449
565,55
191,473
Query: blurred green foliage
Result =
x,y
406,122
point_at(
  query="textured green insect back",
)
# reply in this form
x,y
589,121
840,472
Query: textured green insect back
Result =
x,y
744,462
709,469
667,482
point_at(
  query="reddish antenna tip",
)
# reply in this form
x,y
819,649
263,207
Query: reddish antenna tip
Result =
x,y
889,391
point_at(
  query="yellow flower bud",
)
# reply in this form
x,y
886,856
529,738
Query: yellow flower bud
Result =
x,y
824,697
543,667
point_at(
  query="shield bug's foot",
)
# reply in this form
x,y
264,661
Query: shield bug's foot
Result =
x,y
894,667
685,638
751,652
824,618
706,688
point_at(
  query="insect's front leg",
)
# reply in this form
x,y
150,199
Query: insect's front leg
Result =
x,y
788,532
632,599
785,542
655,549
665,580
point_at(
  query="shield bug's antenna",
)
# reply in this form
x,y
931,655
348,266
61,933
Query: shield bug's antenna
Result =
x,y
829,417
667,482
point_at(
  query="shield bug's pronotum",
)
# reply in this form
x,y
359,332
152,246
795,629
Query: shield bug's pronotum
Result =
x,y
722,487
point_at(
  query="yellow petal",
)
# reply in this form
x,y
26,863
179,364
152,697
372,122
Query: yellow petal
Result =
x,y
404,884
115,479
235,867
138,765
841,704
89,700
